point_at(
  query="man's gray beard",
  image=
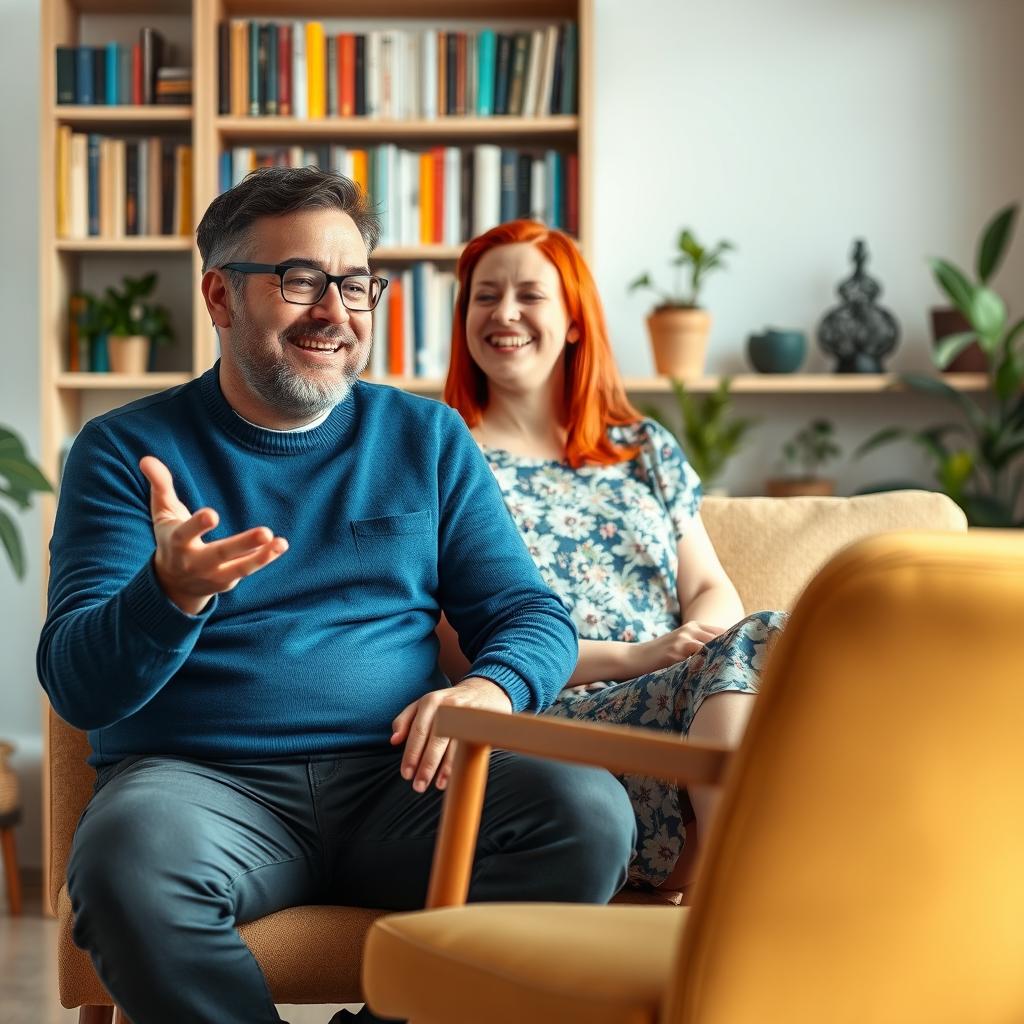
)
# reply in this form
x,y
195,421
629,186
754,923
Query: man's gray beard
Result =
x,y
288,392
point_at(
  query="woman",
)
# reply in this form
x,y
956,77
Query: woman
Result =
x,y
609,509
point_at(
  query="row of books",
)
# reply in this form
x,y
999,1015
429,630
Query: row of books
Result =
x,y
303,70
412,323
121,73
444,195
117,187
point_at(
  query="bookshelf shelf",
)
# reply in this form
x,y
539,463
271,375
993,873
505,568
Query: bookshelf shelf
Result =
x,y
269,128
120,381
745,384
100,114
138,243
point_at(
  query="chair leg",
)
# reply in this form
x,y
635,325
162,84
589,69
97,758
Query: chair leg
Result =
x,y
11,871
95,1014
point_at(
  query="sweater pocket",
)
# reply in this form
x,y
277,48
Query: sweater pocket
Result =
x,y
393,548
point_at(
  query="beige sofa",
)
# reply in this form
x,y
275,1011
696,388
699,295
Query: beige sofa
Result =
x,y
771,548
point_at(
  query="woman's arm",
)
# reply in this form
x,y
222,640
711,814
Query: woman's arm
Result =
x,y
706,594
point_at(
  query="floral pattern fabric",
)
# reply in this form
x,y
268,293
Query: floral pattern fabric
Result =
x,y
605,539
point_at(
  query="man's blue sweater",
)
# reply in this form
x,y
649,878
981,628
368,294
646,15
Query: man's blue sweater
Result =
x,y
391,517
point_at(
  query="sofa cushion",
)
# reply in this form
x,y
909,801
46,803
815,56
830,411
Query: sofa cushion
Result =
x,y
772,547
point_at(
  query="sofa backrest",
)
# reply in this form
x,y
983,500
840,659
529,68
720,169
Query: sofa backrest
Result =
x,y
772,547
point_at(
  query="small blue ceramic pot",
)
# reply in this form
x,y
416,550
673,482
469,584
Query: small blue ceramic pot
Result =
x,y
777,351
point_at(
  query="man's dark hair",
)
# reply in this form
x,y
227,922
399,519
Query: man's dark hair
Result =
x,y
223,233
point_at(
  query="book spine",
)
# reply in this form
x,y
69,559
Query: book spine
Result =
x,y
93,201
547,71
426,165
111,64
223,68
509,162
167,176
272,75
460,74
300,76
452,195
466,194
78,174
555,100
538,192
346,74
124,77
437,155
502,72
428,74
332,76
486,187
152,56
442,73
419,317
284,70
372,69
485,73
360,75
255,94
83,65
137,75
131,188
472,76
533,73
99,74
67,74
518,73
316,83
154,186
553,163
570,57
451,73
396,324
524,169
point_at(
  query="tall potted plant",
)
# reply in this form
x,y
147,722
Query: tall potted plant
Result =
x,y
20,477
678,326
130,324
978,455
965,354
708,433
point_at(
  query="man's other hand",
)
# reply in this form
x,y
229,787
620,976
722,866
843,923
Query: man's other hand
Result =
x,y
427,755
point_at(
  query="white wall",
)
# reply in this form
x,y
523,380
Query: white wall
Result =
x,y
787,126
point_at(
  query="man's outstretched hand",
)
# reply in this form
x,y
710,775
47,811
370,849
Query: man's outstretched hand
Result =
x,y
428,756
189,570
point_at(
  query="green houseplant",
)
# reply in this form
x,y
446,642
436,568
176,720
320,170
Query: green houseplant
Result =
x,y
709,434
131,324
803,457
977,457
20,477
677,325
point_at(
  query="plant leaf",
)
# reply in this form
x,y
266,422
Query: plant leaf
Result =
x,y
643,281
23,475
987,315
935,386
885,436
12,544
954,284
950,347
994,242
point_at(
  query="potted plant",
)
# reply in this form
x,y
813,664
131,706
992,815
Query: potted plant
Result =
x,y
803,456
678,326
978,455
129,324
959,350
710,436
20,477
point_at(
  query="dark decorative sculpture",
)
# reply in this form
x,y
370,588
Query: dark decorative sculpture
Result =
x,y
858,332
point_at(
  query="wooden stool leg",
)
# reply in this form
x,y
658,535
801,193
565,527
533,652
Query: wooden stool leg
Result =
x,y
11,871
95,1014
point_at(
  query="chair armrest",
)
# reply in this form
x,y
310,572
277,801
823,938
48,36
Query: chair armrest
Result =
x,y
616,747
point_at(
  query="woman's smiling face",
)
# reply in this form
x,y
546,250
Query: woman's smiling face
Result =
x,y
517,325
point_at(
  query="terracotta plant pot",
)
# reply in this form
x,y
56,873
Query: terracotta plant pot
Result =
x,y
793,487
128,353
951,321
679,339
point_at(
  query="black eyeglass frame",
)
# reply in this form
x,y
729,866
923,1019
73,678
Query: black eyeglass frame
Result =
x,y
281,268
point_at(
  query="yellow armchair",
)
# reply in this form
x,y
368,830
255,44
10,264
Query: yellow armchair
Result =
x,y
866,863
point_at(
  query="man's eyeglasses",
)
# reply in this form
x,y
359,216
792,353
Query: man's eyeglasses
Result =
x,y
305,286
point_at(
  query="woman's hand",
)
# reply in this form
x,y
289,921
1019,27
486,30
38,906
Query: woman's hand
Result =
x,y
676,646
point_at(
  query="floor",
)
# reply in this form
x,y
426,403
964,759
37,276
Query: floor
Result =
x,y
28,972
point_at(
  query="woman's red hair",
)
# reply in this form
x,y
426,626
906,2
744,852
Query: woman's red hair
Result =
x,y
595,397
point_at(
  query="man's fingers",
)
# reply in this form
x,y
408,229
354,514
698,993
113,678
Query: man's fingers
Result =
x,y
403,720
433,754
195,526
163,501
229,573
415,744
230,548
444,772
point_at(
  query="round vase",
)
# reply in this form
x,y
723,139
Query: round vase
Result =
x,y
777,351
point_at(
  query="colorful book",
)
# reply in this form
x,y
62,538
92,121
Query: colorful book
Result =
x,y
486,55
331,72
66,74
284,69
257,64
300,73
346,74
83,69
316,81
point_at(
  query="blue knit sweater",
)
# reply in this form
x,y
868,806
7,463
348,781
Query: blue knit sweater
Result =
x,y
391,516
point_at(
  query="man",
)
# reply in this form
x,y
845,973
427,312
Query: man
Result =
x,y
246,575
